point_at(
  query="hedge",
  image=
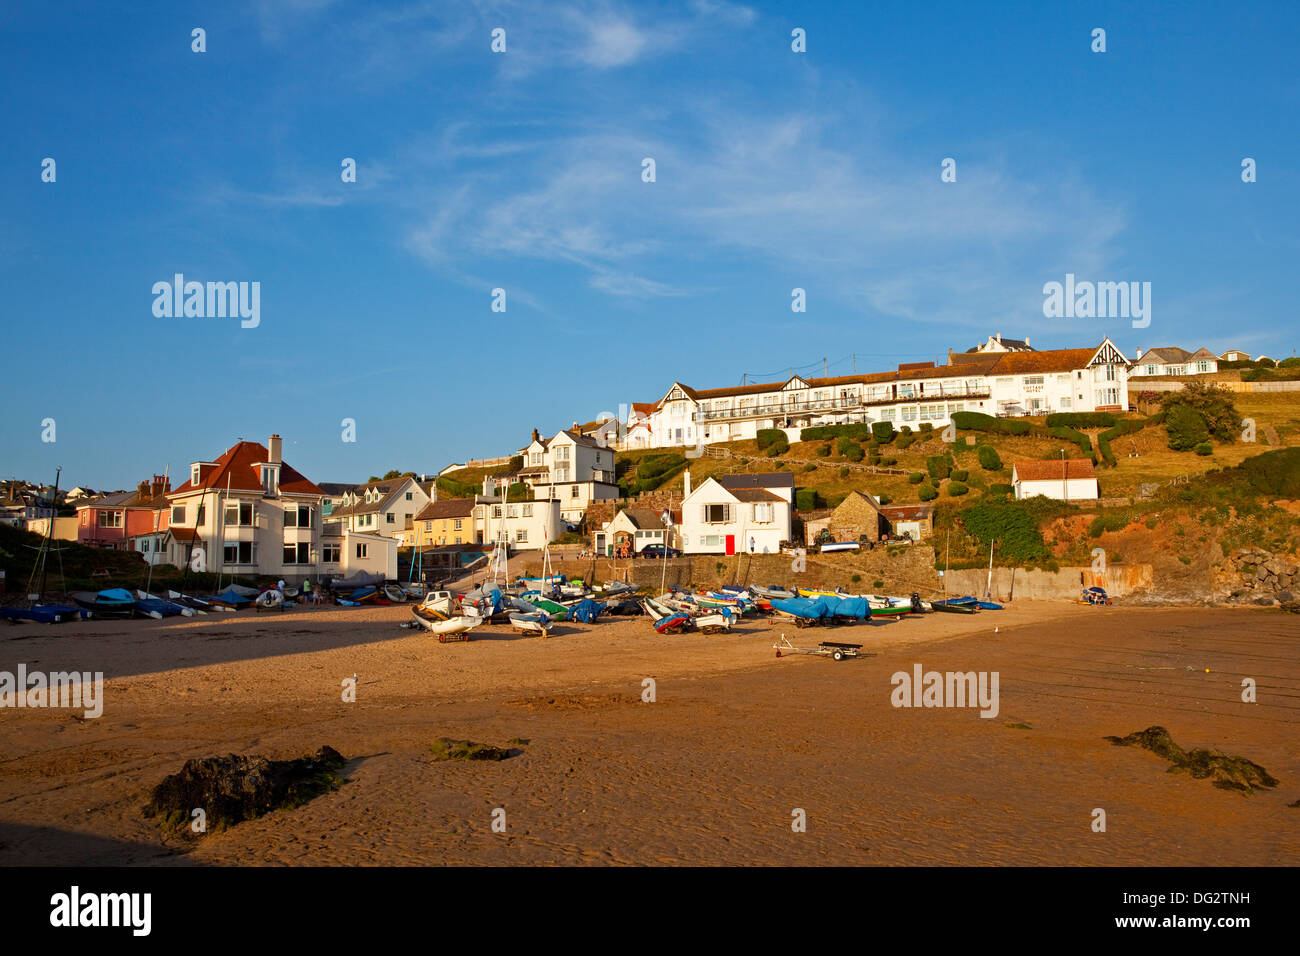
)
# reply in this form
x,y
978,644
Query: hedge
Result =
x,y
959,474
1186,426
856,431
1069,434
939,466
904,441
1126,426
882,432
956,488
1204,448
805,499
989,459
889,462
1082,419
1275,473
824,451
1001,489
979,422
916,478
766,437
927,493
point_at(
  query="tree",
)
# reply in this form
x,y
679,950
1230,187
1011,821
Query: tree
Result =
x,y
1213,403
1186,426
516,462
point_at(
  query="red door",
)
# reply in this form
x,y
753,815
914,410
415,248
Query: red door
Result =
x,y
731,544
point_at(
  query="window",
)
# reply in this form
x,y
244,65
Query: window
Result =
x,y
956,407
528,511
717,514
909,413
512,511
299,553
573,491
458,539
299,517
110,519
428,527
906,391
362,550
239,513
268,479
763,513
887,414
408,496
389,518
521,536
202,518
930,412
1108,396
1065,401
1033,380
496,511
1151,370
1110,373
144,545
332,553
562,453
1202,366
238,552
178,514
457,524
711,541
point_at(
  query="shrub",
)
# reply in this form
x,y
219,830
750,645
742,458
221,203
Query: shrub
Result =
x,y
1205,448
1082,419
844,471
882,432
926,428
1275,473
1013,524
959,474
927,493
956,488
810,467
854,452
824,451
988,456
1186,426
884,499
805,499
775,449
516,462
979,422
1215,405
1001,489
889,462
939,466
857,431
1107,522
856,578
767,437
1070,434
906,430
904,441
916,477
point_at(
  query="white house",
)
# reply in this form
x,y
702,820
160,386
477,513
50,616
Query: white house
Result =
x,y
525,525
382,507
633,528
571,468
738,513
1235,355
1014,381
250,513
1174,361
1068,479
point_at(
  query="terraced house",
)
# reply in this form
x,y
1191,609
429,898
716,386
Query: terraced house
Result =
x,y
1007,382
386,508
571,468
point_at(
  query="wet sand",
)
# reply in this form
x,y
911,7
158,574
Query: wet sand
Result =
x,y
710,773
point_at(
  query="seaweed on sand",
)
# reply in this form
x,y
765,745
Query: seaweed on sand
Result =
x,y
239,787
1229,773
445,748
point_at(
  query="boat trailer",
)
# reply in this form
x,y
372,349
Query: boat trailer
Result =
x,y
831,649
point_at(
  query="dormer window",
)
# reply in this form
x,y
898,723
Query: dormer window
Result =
x,y
268,480
194,474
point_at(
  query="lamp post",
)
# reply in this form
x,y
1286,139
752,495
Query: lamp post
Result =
x,y
666,517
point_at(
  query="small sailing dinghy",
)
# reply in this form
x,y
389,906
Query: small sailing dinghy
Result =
x,y
448,629
158,608
112,602
536,623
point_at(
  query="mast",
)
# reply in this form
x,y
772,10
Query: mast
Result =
x,y
42,554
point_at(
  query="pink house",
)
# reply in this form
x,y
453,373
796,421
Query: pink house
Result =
x,y
111,521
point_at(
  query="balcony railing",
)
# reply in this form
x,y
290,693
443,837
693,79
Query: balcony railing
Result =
x,y
837,404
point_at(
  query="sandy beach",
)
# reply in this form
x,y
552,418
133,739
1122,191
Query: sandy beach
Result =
x,y
709,773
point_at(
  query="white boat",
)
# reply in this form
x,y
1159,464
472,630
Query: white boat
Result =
x,y
538,623
439,602
200,605
269,599
831,546
186,610
394,593
713,623
445,628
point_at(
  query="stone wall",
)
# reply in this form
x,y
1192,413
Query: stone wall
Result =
x,y
1065,584
1261,577
599,512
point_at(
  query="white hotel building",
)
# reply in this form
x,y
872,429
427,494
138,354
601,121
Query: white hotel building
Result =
x,y
998,383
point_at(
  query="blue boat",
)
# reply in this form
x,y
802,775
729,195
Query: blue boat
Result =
x,y
111,602
158,608
44,614
802,608
586,611
230,598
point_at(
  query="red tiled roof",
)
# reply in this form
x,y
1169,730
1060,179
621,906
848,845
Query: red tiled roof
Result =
x,y
907,512
1026,363
1047,469
236,465
182,534
447,508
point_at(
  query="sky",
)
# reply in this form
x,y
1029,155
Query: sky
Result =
x,y
523,170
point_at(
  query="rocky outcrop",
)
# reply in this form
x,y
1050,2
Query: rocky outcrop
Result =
x,y
1256,576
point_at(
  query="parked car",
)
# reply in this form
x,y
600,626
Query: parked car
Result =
x,y
657,551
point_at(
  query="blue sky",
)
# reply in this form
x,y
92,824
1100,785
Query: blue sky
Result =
x,y
522,170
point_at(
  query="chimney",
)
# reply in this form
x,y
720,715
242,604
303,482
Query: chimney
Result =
x,y
536,435
142,489
575,426
1026,341
686,482
273,449
1139,354
999,338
